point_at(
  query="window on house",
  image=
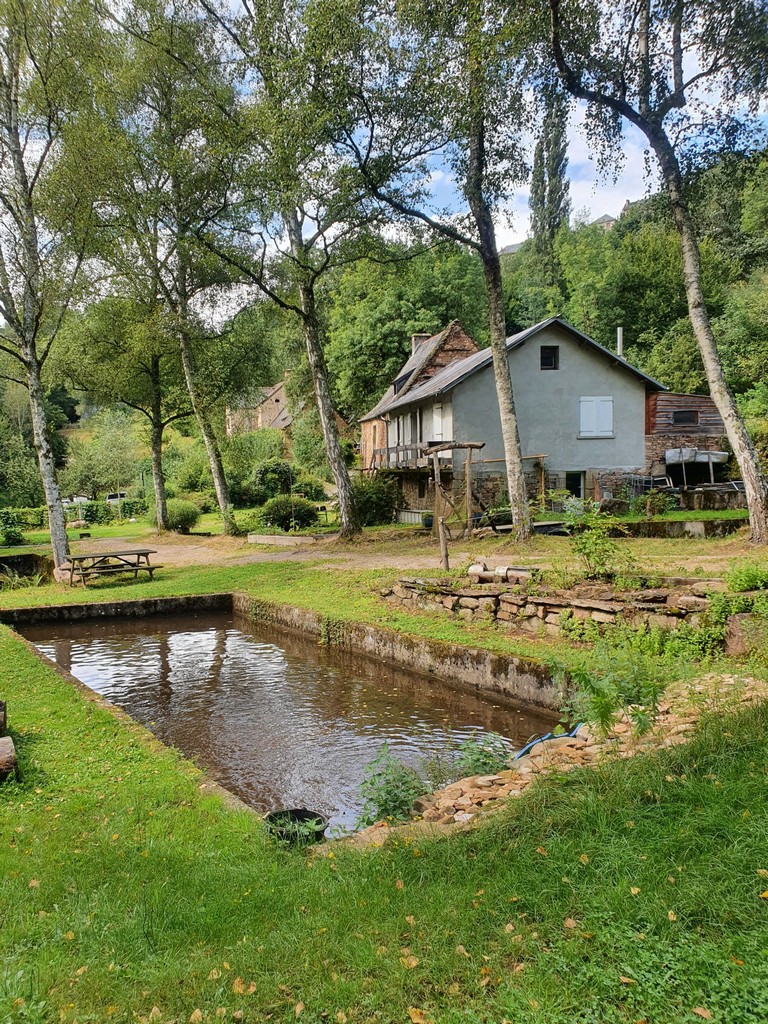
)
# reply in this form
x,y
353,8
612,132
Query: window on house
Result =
x,y
689,417
550,357
596,416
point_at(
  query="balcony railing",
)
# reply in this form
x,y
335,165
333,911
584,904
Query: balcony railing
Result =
x,y
405,456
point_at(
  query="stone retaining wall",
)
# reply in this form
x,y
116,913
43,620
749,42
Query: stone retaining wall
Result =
x,y
509,595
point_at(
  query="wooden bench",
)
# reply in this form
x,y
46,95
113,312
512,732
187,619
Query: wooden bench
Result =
x,y
105,563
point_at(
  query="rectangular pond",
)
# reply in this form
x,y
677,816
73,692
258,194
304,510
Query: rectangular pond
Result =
x,y
272,716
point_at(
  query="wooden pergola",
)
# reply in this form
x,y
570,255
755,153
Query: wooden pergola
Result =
x,y
444,499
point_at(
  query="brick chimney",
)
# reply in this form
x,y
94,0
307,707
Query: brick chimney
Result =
x,y
418,339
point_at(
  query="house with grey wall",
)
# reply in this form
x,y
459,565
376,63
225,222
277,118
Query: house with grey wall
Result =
x,y
581,411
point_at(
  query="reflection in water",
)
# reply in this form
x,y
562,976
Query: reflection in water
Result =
x,y
272,716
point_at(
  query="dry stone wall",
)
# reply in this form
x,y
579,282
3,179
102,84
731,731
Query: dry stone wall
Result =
x,y
510,595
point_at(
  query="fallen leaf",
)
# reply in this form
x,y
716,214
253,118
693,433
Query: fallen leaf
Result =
x,y
298,1008
762,872
569,923
626,981
399,884
69,935
584,858
154,1013
417,1016
214,975
221,1011
702,1011
509,927
764,895
80,971
462,952
735,960
673,916
410,919
34,884
341,1017
251,988
540,850
409,961
196,1016
453,988
634,890
238,986
533,1004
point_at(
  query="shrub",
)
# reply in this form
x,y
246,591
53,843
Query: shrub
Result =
x,y
591,540
288,512
248,493
377,498
182,515
204,501
31,518
747,576
10,527
654,503
310,487
97,512
388,789
275,476
132,508
485,754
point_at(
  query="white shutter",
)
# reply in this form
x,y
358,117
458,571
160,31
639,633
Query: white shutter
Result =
x,y
587,417
604,417
596,416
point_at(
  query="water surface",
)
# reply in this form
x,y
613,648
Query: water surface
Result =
x,y
272,716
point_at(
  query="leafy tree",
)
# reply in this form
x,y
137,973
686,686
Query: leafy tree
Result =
x,y
630,64
453,89
107,461
375,307
44,216
549,201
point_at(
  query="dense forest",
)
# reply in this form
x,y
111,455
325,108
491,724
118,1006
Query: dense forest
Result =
x,y
195,198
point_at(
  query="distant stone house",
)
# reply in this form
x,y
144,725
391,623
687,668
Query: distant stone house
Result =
x,y
586,416
266,407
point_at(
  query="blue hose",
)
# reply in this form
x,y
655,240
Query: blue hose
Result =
x,y
540,739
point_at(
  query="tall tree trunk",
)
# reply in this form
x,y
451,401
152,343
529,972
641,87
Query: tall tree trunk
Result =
x,y
350,521
56,520
743,449
156,446
209,438
518,496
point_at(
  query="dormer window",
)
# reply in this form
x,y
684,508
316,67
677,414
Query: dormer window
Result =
x,y
549,357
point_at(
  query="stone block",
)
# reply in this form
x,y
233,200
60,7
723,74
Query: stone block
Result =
x,y
605,617
469,602
477,568
688,602
553,618
449,603
467,614
8,762
664,621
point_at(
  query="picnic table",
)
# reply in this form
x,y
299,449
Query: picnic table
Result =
x,y
103,563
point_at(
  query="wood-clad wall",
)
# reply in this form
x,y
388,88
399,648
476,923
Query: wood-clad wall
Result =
x,y
660,409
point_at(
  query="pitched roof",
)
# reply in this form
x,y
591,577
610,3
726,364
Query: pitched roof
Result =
x,y
447,378
408,374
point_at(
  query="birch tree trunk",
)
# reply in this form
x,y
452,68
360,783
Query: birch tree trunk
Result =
x,y
56,520
209,438
156,447
743,449
481,212
350,521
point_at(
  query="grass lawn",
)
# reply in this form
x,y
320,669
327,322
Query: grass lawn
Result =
x,y
625,894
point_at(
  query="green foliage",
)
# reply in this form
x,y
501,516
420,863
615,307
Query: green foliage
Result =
x,y
484,754
193,472
591,540
96,512
310,487
618,681
376,307
275,476
308,445
33,518
289,512
388,789
653,503
11,527
204,501
182,515
377,499
242,453
133,508
12,580
747,576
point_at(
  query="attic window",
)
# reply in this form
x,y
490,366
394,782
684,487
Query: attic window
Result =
x,y
689,417
550,357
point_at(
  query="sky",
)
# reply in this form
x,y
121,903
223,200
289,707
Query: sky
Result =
x,y
592,193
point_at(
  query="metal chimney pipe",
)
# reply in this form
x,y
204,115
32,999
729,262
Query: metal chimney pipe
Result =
x,y
619,341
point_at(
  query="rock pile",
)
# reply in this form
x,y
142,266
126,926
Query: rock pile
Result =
x,y
7,750
459,804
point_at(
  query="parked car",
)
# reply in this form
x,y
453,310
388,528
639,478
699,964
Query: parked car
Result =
x,y
116,497
76,499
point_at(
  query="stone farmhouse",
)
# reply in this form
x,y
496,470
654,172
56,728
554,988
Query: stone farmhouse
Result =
x,y
587,417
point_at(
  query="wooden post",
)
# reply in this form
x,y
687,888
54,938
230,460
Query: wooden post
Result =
x,y
443,542
468,472
438,492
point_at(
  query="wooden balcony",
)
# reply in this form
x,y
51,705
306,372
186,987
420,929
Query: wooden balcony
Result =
x,y
406,456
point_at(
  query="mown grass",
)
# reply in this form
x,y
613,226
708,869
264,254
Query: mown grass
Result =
x,y
122,888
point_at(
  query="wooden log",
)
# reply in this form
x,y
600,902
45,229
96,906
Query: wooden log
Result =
x,y
8,762
3,718
443,542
